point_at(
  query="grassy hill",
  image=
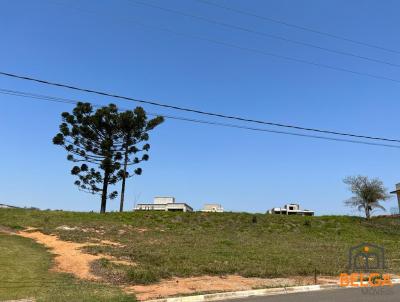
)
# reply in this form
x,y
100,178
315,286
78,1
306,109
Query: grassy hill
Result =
x,y
166,244
24,273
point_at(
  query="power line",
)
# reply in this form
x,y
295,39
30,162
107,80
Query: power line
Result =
x,y
263,34
335,36
254,50
102,93
72,102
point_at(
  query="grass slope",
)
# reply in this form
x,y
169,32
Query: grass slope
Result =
x,y
168,244
24,273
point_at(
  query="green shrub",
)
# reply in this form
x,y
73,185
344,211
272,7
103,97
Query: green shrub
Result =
x,y
142,275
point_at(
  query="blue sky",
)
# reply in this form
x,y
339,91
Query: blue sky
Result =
x,y
103,45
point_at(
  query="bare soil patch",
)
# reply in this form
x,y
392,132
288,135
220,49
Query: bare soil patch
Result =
x,y
112,243
23,300
6,230
193,285
69,256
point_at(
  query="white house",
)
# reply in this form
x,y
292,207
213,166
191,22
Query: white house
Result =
x,y
7,206
291,209
164,204
397,192
212,207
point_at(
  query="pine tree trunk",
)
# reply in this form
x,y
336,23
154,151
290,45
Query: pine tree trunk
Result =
x,y
367,213
104,192
121,205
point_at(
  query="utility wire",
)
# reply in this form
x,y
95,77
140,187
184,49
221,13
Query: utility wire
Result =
x,y
73,102
263,34
102,93
335,36
254,50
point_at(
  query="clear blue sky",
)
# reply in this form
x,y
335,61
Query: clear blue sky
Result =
x,y
100,45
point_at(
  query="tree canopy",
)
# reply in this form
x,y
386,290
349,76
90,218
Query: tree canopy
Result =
x,y
134,128
100,141
367,193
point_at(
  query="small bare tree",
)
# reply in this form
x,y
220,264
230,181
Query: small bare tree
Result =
x,y
367,193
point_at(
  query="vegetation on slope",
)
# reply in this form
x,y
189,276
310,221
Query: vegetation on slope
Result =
x,y
24,273
166,244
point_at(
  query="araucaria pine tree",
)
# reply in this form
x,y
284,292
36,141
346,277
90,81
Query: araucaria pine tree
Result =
x,y
90,138
134,128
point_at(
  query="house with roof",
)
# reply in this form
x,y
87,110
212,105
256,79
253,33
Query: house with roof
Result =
x,y
164,204
212,207
291,209
397,192
7,206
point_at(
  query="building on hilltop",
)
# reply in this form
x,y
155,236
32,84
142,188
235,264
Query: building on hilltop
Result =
x,y
164,204
212,207
7,206
291,209
397,192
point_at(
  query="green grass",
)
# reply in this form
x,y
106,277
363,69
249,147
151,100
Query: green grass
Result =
x,y
193,244
24,273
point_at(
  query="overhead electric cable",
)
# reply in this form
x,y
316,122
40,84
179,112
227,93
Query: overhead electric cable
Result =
x,y
73,102
186,109
304,28
254,50
263,34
